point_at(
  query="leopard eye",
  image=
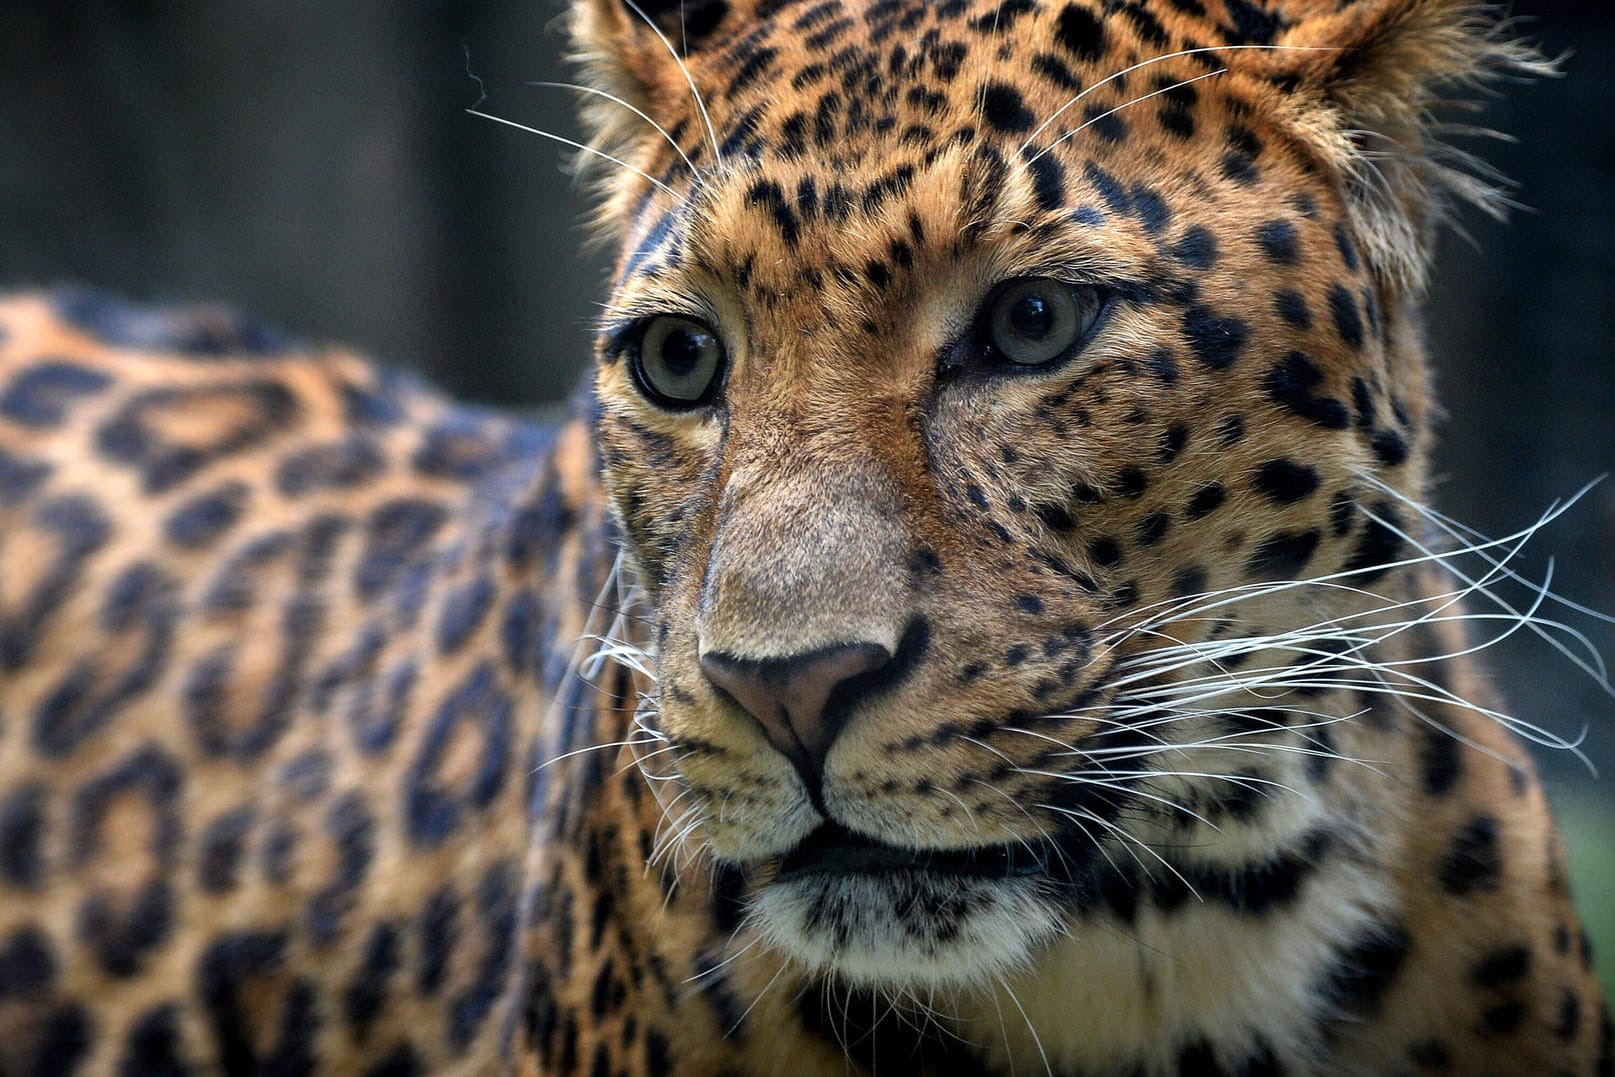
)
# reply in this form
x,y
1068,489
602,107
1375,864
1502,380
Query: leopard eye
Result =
x,y
1036,320
679,362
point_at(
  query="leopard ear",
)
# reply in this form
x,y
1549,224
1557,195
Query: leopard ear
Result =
x,y
1362,80
634,50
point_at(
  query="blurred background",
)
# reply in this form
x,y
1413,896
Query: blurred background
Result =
x,y
313,163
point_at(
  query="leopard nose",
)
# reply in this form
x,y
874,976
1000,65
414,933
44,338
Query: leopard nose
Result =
x,y
791,697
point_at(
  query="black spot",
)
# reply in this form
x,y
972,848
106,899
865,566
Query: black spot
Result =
x,y
1500,968
350,828
754,66
1252,24
1474,861
1503,1018
496,913
1002,17
133,436
1105,552
1292,384
77,528
223,843
339,465
1003,108
1348,320
1389,447
1278,241
1430,1055
197,331
1440,761
1176,119
1173,439
1055,517
203,519
225,974
1342,511
1292,307
42,395
1030,604
62,1040
396,533
22,835
1214,340
20,477
1080,32
1197,247
767,193
401,1060
1153,528
1144,21
1131,482
1206,500
1153,212
1189,581
438,929
1048,181
27,965
1379,545
1055,70
434,812
658,1055
460,447
1284,555
1284,481
1569,1023
122,932
1365,969
463,611
1348,249
1109,188
1105,123
152,1048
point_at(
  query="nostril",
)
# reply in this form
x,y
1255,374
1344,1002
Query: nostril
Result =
x,y
790,697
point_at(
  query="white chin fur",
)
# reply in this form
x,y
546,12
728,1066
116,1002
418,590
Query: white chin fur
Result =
x,y
906,930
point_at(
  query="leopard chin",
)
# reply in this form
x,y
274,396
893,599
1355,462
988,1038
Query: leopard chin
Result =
x,y
870,915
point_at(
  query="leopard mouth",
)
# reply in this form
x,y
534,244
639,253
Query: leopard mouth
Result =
x,y
835,850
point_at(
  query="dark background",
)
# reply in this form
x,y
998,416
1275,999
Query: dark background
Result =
x,y
312,162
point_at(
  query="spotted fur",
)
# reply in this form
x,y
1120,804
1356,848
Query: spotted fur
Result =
x,y
344,729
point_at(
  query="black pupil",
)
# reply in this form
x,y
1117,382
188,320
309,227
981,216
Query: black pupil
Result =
x,y
1031,317
681,352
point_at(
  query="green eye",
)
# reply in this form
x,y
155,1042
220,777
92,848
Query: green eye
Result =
x,y
1036,320
679,362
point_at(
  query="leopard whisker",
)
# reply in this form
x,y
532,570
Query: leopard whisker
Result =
x,y
1156,60
614,99
1120,787
604,156
1030,818
1111,112
1464,533
1031,1029
1130,842
700,105
1175,608
1596,670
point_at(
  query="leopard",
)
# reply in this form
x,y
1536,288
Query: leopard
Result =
x,y
980,614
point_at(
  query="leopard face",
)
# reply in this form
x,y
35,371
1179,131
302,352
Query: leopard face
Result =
x,y
974,355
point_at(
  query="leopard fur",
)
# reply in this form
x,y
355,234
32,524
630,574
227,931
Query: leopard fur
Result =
x,y
882,707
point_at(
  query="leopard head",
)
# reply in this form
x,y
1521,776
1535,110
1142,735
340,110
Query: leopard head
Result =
x,y
980,382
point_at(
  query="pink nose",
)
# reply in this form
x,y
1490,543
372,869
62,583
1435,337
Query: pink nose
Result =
x,y
791,697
